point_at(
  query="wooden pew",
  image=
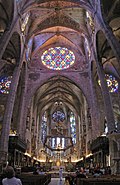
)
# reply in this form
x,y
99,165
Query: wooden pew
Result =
x,y
30,179
35,179
98,181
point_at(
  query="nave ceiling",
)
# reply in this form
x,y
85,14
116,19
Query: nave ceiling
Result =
x,y
56,23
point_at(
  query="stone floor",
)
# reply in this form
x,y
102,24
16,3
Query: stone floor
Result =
x,y
56,181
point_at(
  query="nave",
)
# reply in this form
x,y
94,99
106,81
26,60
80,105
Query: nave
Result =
x,y
59,86
56,181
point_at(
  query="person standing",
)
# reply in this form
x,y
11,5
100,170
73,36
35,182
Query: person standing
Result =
x,y
60,173
10,177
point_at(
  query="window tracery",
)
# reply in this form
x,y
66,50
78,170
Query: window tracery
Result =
x,y
44,127
25,22
73,127
90,21
29,49
58,58
5,84
112,83
58,116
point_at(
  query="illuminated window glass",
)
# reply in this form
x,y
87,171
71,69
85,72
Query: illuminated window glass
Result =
x,y
53,142
112,83
5,84
63,142
73,127
29,49
58,116
44,127
58,142
25,22
58,58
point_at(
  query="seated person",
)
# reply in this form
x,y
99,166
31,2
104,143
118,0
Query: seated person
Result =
x,y
81,173
10,177
35,172
41,172
97,172
67,180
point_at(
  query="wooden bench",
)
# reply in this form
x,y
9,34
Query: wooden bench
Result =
x,y
35,179
30,179
98,181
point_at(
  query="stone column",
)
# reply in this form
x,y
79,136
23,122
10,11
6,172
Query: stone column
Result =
x,y
8,115
95,9
94,112
118,124
77,130
106,96
114,150
49,122
108,105
6,37
112,40
21,127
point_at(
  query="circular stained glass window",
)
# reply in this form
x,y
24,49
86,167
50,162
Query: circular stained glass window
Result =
x,y
58,116
5,84
58,58
112,83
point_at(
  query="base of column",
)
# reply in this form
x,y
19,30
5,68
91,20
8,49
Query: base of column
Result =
x,y
114,149
3,160
3,157
117,161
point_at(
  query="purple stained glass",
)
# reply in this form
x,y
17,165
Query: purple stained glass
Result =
x,y
58,58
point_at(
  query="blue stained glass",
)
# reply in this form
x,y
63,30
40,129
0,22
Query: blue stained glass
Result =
x,y
112,83
43,127
5,84
58,116
73,127
28,52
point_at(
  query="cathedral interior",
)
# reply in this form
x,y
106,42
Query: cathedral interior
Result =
x,y
60,83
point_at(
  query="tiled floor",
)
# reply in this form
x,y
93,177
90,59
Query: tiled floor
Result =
x,y
56,181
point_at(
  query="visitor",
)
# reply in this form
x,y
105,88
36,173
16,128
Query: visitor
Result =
x,y
35,172
60,173
97,172
10,177
67,180
41,172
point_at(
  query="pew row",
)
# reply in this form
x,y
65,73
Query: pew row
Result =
x,y
98,181
30,179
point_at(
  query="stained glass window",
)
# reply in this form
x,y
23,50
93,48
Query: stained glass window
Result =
x,y
44,127
58,116
58,142
29,48
5,84
112,83
25,22
73,127
58,58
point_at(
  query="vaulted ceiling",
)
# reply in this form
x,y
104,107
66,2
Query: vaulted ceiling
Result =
x,y
60,23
